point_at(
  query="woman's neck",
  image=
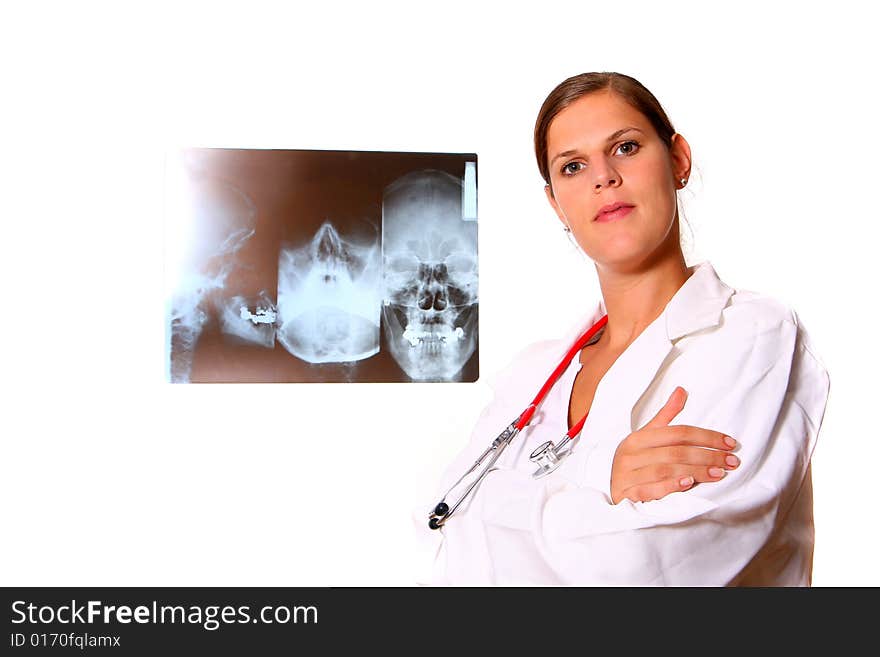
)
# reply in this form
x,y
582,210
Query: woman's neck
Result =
x,y
635,298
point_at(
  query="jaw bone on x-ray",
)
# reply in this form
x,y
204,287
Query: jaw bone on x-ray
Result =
x,y
430,272
242,325
329,297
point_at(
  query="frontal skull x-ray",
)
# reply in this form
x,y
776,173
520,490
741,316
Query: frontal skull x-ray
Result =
x,y
329,297
429,255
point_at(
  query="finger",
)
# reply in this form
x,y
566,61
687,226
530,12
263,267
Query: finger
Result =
x,y
704,475
672,408
658,472
656,490
683,434
646,491
682,455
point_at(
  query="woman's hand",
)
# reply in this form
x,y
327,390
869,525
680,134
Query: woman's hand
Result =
x,y
658,459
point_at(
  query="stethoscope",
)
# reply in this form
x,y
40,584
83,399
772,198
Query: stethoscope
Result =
x,y
547,457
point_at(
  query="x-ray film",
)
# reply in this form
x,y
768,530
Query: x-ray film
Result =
x,y
321,266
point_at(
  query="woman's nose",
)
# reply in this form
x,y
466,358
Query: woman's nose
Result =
x,y
604,175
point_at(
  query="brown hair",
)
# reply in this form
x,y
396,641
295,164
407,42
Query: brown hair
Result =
x,y
570,90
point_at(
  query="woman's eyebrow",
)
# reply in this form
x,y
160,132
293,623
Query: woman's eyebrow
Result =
x,y
610,138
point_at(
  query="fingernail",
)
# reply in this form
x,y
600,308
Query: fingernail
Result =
x,y
716,472
731,460
686,482
730,442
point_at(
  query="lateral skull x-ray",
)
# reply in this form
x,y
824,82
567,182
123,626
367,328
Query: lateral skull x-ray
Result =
x,y
215,219
322,266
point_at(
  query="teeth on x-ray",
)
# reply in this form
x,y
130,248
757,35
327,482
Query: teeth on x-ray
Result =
x,y
415,337
257,327
429,252
328,297
261,316
214,220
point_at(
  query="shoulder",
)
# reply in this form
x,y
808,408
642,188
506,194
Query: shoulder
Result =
x,y
758,357
752,315
756,332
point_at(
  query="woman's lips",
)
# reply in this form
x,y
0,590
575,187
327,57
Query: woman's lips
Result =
x,y
619,213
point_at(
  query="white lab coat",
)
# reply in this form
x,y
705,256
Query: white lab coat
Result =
x,y
750,372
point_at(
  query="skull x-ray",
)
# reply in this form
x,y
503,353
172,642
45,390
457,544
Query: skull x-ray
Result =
x,y
321,266
429,253
212,219
328,298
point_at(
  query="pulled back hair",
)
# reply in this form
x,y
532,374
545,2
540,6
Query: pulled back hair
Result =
x,y
578,86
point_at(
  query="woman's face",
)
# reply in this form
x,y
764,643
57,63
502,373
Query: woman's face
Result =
x,y
603,152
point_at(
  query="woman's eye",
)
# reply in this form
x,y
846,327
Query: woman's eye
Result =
x,y
628,147
571,168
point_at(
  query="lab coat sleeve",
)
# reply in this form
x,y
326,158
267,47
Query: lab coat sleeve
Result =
x,y
767,390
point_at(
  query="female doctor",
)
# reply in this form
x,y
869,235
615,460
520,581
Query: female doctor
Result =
x,y
694,407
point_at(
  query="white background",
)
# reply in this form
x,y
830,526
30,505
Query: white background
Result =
x,y
110,476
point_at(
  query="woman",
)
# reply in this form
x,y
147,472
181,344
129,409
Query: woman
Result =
x,y
638,499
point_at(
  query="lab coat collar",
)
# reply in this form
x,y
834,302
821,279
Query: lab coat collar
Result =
x,y
695,306
698,303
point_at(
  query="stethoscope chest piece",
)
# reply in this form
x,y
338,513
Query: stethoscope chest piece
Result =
x,y
547,458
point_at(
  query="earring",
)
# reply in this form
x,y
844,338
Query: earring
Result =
x,y
683,182
573,241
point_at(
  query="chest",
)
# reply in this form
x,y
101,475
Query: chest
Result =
x,y
595,363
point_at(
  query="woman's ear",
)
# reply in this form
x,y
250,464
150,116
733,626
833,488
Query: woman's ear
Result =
x,y
552,199
680,151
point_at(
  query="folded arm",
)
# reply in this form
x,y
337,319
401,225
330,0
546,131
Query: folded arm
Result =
x,y
769,393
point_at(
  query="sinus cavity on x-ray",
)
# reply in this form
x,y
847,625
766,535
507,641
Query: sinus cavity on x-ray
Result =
x,y
321,266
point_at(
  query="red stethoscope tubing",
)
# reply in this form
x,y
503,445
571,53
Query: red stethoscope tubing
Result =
x,y
527,414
